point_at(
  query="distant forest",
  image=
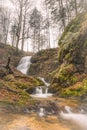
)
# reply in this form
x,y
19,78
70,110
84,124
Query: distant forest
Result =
x,y
25,24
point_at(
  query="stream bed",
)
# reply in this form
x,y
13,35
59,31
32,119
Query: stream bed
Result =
x,y
71,116
31,122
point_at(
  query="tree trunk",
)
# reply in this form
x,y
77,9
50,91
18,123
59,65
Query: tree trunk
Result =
x,y
13,37
76,10
34,43
23,32
19,24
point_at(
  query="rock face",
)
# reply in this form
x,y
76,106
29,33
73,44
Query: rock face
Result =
x,y
44,62
72,56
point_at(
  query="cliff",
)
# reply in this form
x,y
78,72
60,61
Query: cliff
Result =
x,y
70,79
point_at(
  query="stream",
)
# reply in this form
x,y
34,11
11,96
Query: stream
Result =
x,y
66,120
71,116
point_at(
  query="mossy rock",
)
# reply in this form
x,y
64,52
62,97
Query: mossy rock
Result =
x,y
10,78
64,77
72,55
77,90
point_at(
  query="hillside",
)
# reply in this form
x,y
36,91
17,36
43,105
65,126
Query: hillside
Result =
x,y
14,86
70,79
6,51
44,62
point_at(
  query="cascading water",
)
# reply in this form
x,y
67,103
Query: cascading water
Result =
x,y
23,67
43,80
40,93
24,64
78,118
41,112
39,90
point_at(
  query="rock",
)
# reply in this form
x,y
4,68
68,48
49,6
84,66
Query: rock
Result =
x,y
72,58
43,63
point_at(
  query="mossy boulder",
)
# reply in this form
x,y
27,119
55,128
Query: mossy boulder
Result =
x,y
78,90
65,77
72,55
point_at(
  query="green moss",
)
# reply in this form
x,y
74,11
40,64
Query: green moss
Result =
x,y
74,26
1,84
65,73
78,90
71,58
9,78
74,79
85,44
38,82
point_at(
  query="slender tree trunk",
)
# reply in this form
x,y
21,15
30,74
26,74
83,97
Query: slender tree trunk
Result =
x,y
76,10
27,47
22,46
23,32
17,43
34,43
39,41
13,37
19,24
49,37
68,12
48,27
62,10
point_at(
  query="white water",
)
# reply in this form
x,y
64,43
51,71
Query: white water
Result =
x,y
39,91
42,91
24,64
23,67
41,112
77,118
40,94
43,80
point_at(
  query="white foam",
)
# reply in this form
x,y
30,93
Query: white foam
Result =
x,y
78,118
24,64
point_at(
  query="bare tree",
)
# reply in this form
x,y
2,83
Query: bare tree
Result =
x,y
21,9
4,23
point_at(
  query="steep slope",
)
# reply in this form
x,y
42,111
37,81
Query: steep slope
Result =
x,y
14,86
72,57
7,50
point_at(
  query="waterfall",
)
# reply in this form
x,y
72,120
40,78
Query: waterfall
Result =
x,y
46,91
24,64
42,91
39,90
43,80
23,67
